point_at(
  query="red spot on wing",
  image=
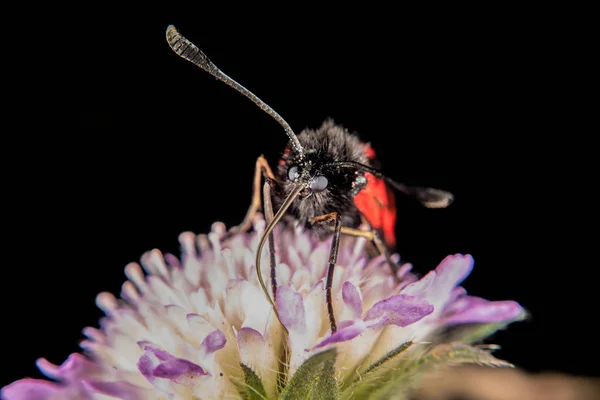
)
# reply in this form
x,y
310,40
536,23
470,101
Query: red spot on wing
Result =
x,y
369,152
377,203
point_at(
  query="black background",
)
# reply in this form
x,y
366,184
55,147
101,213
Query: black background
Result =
x,y
480,107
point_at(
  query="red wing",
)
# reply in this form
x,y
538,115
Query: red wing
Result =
x,y
377,203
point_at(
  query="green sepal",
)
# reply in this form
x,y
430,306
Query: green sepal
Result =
x,y
363,384
399,383
314,379
461,353
253,385
400,378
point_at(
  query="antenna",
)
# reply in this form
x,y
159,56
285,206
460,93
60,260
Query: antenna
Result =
x,y
187,50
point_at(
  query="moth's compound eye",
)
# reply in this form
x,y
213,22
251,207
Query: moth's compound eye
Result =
x,y
319,183
293,173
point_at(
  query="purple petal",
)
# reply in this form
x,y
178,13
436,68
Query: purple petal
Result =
x,y
120,390
407,279
421,286
372,323
251,345
344,334
456,294
146,365
30,389
94,334
344,324
352,299
404,269
213,342
401,309
148,362
248,334
157,363
158,353
451,272
74,367
470,309
348,330
291,309
172,260
178,369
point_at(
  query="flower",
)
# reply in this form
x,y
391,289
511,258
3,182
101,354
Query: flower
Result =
x,y
201,327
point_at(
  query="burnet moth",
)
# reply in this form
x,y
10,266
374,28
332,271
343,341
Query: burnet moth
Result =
x,y
327,181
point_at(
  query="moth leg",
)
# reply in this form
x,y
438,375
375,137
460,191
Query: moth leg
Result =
x,y
388,257
383,249
374,237
262,170
333,254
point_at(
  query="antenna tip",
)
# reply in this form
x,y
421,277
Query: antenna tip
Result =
x,y
171,32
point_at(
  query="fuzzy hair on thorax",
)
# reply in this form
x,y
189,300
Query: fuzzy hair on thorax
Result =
x,y
327,144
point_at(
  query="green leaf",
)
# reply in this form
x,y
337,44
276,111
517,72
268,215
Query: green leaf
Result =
x,y
254,386
314,379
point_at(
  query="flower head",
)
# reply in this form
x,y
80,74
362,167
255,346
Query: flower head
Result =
x,y
200,326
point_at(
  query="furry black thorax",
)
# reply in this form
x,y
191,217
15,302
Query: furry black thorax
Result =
x,y
329,144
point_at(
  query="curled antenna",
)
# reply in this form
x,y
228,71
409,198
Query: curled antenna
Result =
x,y
429,197
187,50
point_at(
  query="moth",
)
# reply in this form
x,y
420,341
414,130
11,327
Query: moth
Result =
x,y
327,181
